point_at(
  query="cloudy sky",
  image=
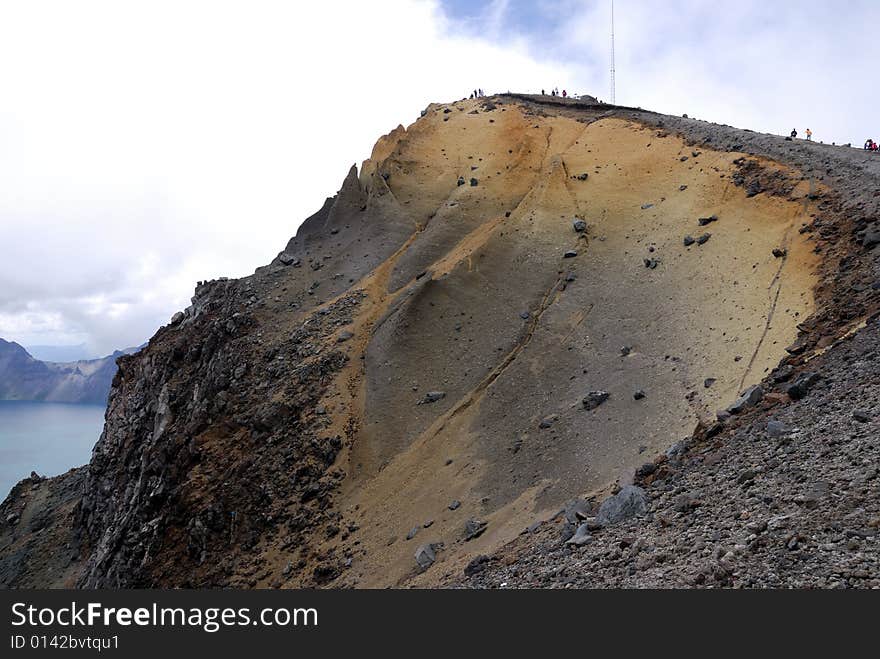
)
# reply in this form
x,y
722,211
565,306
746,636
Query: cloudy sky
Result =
x,y
145,146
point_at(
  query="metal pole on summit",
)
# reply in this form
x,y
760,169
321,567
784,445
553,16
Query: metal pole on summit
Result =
x,y
613,72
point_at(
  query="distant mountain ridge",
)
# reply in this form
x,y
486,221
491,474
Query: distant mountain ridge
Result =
x,y
24,378
67,353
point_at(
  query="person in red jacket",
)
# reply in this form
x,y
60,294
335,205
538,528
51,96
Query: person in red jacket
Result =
x,y
564,94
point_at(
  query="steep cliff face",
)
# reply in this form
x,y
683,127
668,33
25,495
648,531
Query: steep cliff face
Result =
x,y
24,378
513,303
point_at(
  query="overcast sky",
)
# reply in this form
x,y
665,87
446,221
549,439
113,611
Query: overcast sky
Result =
x,y
145,146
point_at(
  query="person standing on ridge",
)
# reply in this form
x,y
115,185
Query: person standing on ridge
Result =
x,y
793,133
564,94
542,93
809,135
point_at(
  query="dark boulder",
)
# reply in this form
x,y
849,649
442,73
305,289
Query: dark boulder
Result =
x,y
629,502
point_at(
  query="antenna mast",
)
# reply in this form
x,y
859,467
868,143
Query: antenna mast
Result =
x,y
613,83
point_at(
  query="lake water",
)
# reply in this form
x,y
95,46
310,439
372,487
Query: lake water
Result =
x,y
48,438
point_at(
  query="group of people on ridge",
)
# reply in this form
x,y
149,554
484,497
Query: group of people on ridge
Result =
x,y
809,134
871,145
478,93
555,92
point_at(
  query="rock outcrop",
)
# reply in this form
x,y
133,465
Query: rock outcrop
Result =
x,y
422,341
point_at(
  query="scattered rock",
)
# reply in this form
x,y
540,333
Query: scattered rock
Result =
x,y
715,428
688,241
594,399
800,387
862,416
779,252
579,225
581,536
289,259
525,315
708,382
547,422
461,181
749,398
629,502
783,373
686,502
474,528
639,395
455,505
412,533
682,188
702,240
570,254
871,239
474,182
432,397
777,429
647,206
707,220
583,177
651,264
344,336
576,510
758,526
476,566
427,554
12,518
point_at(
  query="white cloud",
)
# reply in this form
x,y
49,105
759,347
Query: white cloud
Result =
x,y
767,66
144,146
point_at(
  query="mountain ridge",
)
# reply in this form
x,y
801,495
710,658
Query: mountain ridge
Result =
x,y
22,377
500,313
